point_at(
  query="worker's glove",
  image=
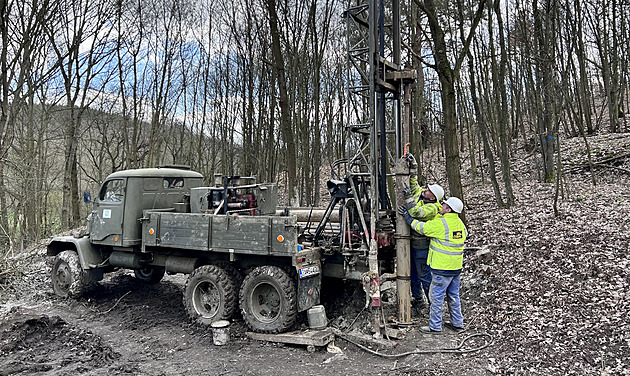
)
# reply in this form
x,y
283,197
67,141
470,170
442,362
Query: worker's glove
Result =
x,y
413,164
403,211
406,191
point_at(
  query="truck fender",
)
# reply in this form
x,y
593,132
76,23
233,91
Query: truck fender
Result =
x,y
89,256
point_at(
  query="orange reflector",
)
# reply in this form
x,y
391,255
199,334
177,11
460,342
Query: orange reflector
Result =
x,y
280,238
151,231
115,238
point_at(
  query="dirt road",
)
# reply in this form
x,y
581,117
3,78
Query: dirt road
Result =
x,y
122,326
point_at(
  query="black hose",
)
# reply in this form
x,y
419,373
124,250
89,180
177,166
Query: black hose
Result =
x,y
455,350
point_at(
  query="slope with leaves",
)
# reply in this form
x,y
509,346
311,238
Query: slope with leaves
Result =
x,y
556,293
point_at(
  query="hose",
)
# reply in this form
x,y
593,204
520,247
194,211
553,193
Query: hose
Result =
x,y
453,350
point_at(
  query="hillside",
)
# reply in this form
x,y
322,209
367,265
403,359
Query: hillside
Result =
x,y
554,295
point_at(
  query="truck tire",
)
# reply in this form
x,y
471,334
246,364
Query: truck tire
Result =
x,y
268,300
150,274
209,295
233,272
67,275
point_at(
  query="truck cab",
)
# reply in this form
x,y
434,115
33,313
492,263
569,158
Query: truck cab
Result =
x,y
124,195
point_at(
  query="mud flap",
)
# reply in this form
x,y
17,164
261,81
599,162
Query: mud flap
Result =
x,y
308,292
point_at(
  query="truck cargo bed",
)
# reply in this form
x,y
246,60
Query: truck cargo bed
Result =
x,y
260,235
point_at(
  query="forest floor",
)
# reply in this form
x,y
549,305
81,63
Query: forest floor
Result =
x,y
554,294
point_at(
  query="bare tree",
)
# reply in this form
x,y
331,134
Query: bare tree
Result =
x,y
545,31
286,130
22,74
448,74
84,52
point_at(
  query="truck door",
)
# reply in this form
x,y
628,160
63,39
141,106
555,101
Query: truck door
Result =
x,y
107,214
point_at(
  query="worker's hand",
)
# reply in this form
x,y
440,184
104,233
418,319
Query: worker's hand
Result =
x,y
406,191
403,211
413,164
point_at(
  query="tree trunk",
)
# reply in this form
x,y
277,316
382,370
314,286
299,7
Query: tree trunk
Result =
x,y
544,30
447,94
285,122
504,126
479,117
447,77
584,92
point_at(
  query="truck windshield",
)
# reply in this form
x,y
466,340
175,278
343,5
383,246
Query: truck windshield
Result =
x,y
113,191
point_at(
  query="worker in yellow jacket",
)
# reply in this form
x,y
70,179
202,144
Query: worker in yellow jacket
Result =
x,y
446,256
423,204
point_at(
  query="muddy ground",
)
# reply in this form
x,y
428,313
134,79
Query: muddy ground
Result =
x,y
122,326
554,294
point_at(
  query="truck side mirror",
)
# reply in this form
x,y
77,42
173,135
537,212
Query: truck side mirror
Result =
x,y
87,197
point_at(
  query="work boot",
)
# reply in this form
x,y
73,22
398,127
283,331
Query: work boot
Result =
x,y
428,330
456,329
417,306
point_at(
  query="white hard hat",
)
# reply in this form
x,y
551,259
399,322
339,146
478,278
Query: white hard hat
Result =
x,y
437,191
455,204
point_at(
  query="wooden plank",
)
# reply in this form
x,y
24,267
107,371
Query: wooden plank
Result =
x,y
308,337
405,75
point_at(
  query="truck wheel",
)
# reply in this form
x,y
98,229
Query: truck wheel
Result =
x,y
150,274
210,295
235,274
67,275
268,300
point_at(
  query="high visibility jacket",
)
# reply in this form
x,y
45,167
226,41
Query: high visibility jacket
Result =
x,y
423,211
417,207
448,234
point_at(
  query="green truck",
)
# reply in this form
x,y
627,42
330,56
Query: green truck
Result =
x,y
238,253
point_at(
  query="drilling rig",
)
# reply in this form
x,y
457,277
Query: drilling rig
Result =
x,y
378,109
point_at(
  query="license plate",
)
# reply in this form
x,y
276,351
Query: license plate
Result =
x,y
307,271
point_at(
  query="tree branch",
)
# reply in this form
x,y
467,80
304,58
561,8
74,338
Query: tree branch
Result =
x,y
414,53
471,33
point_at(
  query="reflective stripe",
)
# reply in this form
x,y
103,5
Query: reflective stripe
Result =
x,y
438,250
447,244
420,228
445,229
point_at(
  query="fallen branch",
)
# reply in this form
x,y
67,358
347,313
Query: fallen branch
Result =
x,y
601,162
614,167
115,304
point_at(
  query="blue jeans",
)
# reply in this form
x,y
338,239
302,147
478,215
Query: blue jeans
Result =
x,y
449,286
420,273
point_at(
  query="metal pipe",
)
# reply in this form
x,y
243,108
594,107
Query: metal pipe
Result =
x,y
315,215
403,252
403,259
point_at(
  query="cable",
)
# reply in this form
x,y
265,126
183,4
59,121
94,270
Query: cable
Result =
x,y
355,319
455,350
